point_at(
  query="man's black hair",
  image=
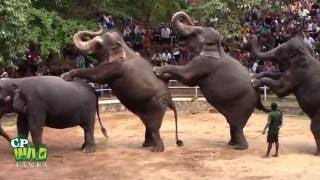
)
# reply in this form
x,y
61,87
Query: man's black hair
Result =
x,y
274,106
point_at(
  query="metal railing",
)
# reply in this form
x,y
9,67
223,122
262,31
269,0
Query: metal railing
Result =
x,y
196,90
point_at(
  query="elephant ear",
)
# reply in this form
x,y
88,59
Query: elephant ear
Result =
x,y
19,102
117,51
211,50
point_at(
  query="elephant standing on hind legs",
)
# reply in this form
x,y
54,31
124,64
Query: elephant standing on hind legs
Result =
x,y
301,77
223,80
131,79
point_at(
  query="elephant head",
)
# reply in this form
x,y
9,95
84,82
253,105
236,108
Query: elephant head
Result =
x,y
293,53
203,41
110,44
11,99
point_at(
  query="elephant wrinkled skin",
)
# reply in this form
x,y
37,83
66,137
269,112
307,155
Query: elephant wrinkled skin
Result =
x,y
223,80
50,101
131,79
301,76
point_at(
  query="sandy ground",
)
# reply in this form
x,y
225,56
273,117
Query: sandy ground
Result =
x,y
205,155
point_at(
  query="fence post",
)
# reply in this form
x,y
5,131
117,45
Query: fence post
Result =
x,y
265,93
196,91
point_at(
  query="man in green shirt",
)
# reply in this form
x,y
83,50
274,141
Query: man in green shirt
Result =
x,y
274,124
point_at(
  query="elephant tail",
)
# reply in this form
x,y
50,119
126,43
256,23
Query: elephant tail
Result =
x,y
172,106
103,130
259,104
4,134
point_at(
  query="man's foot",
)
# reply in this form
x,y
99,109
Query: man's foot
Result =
x,y
275,155
265,156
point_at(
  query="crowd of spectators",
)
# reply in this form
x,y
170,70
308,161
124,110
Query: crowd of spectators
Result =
x,y
300,19
158,44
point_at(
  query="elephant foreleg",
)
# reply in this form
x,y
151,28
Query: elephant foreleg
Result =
x,y
280,87
22,125
36,119
98,74
271,75
315,129
180,73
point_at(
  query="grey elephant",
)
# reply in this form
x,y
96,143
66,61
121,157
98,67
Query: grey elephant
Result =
x,y
131,79
223,80
301,76
50,101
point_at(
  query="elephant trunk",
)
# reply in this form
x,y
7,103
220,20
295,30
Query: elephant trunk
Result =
x,y
184,29
87,46
270,55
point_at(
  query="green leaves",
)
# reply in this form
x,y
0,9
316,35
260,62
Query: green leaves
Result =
x,y
21,23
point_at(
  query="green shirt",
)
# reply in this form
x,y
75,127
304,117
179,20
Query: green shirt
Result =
x,y
275,118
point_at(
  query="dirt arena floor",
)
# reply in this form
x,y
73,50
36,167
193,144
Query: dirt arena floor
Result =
x,y
205,154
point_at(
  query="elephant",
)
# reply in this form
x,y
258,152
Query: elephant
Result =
x,y
50,101
300,76
224,82
131,79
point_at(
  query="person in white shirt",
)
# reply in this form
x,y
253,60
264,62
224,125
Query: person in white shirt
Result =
x,y
310,26
309,41
165,34
166,57
255,66
303,12
127,32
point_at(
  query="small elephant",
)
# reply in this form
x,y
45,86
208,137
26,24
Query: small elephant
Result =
x,y
131,79
300,76
224,82
50,101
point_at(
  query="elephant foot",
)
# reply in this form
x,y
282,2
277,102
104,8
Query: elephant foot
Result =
x,y
158,147
88,148
255,83
66,76
156,71
317,153
241,147
148,144
232,143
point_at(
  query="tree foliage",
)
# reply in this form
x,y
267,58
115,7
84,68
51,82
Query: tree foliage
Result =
x,y
51,24
231,13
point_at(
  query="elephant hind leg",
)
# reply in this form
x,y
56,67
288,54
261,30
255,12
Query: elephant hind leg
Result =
x,y
232,141
148,142
89,145
152,120
238,139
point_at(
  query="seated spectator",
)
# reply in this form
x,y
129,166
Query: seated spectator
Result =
x,y
166,57
177,55
156,59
